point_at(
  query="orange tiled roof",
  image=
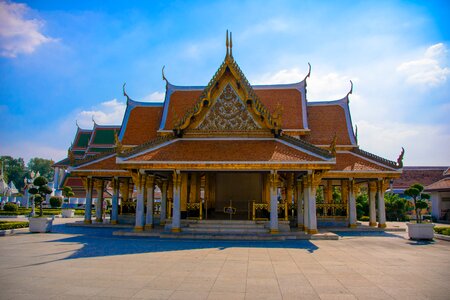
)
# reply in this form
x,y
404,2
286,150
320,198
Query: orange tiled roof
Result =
x,y
108,163
324,121
142,124
180,102
441,185
346,161
227,150
291,102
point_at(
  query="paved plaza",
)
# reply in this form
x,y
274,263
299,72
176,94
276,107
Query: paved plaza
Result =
x,y
91,263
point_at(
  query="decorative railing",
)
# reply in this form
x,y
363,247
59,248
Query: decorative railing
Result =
x,y
260,211
194,210
331,210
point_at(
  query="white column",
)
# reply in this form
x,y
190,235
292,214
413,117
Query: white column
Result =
x,y
312,227
273,202
372,205
163,202
99,204
381,207
352,204
306,192
140,185
88,206
176,221
150,185
300,215
115,200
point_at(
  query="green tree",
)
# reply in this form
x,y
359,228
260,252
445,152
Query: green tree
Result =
x,y
40,191
14,170
362,205
415,192
43,166
67,193
396,207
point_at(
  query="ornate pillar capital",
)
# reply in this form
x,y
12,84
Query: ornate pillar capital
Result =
x,y
372,186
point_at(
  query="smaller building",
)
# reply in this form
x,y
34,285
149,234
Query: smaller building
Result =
x,y
436,181
440,197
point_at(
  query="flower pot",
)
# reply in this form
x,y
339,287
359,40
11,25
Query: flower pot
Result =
x,y
420,231
68,213
41,224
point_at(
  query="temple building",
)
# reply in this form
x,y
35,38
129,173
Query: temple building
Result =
x,y
229,151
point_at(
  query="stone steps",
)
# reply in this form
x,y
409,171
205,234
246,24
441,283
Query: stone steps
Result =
x,y
211,227
232,230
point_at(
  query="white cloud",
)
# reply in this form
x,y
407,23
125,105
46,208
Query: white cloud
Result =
x,y
271,25
330,86
107,113
154,97
19,34
29,149
428,70
424,144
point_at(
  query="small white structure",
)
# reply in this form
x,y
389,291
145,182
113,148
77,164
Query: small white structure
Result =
x,y
440,198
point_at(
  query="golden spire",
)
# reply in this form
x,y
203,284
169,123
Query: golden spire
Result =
x,y
231,44
227,43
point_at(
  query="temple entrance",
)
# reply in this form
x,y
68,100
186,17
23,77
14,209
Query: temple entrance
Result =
x,y
239,189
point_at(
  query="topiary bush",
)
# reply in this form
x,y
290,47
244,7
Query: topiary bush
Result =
x,y
55,202
39,192
11,207
4,225
364,218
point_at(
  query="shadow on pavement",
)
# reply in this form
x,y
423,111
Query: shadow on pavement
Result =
x,y
99,242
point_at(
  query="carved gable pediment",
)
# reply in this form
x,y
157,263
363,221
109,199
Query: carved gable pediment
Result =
x,y
228,113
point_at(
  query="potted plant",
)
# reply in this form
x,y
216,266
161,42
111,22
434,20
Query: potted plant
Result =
x,y
419,230
67,212
39,191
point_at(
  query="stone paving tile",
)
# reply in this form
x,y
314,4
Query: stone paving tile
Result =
x,y
90,263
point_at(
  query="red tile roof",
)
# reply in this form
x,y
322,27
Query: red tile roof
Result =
x,y
107,163
291,102
180,102
347,161
324,121
227,150
441,185
423,175
142,124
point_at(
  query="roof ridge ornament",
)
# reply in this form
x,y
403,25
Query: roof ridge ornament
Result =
x,y
400,158
231,44
93,120
309,71
351,90
164,76
76,123
124,92
356,133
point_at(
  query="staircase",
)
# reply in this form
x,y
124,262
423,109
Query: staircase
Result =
x,y
224,230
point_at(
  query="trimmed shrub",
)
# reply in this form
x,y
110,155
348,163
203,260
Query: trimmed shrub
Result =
x,y
4,225
442,230
10,207
364,218
55,202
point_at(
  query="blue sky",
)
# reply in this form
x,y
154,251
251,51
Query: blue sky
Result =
x,y
62,61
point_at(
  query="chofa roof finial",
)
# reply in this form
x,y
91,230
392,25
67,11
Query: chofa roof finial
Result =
x,y
76,123
124,92
351,88
400,158
356,133
93,120
309,71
